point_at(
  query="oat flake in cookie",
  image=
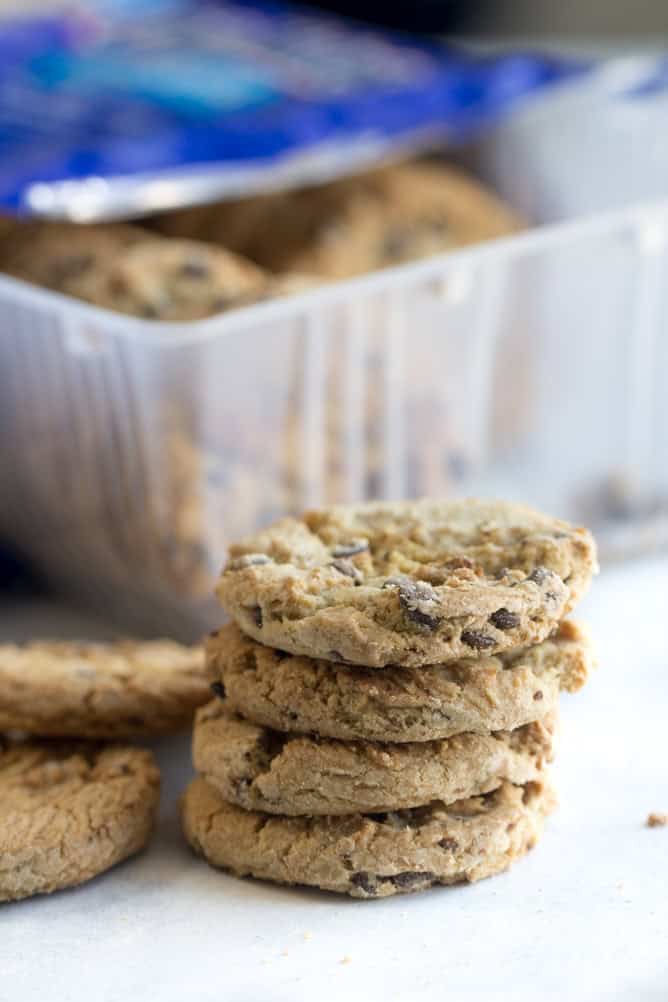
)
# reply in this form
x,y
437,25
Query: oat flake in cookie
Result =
x,y
408,583
370,856
71,811
260,769
481,694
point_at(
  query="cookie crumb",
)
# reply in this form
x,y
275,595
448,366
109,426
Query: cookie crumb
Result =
x,y
346,960
655,820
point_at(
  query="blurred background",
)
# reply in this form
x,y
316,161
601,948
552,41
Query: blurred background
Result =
x,y
485,316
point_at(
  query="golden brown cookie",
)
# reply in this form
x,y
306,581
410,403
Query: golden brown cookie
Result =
x,y
370,856
479,695
130,270
69,812
100,690
407,583
354,225
264,770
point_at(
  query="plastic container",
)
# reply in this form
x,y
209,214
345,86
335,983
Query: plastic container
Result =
x,y
588,146
533,368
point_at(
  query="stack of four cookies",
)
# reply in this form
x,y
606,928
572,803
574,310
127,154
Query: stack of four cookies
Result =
x,y
388,695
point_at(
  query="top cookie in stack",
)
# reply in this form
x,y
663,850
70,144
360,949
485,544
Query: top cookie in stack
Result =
x,y
410,584
396,732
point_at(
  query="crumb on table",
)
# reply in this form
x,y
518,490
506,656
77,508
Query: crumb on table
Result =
x,y
655,820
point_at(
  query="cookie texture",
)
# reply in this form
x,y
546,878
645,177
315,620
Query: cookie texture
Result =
x,y
357,224
69,812
130,270
299,694
409,583
370,856
101,690
260,769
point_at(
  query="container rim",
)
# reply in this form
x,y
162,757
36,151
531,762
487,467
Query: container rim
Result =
x,y
300,305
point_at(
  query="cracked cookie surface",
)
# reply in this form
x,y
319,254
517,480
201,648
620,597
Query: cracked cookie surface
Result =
x,y
100,690
370,856
302,695
407,583
69,811
260,769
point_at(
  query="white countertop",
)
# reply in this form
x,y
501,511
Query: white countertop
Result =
x,y
584,917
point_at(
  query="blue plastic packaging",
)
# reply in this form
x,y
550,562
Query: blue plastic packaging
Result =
x,y
122,108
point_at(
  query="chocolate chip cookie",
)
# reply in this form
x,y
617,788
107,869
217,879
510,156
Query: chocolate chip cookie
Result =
x,y
260,769
132,271
354,225
69,812
100,690
370,856
479,695
407,583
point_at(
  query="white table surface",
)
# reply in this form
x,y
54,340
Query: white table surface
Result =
x,y
583,917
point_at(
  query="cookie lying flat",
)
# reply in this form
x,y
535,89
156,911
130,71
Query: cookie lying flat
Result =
x,y
408,583
127,269
264,770
479,695
69,812
101,690
347,227
370,856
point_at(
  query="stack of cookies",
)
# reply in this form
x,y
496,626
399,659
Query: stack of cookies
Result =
x,y
387,696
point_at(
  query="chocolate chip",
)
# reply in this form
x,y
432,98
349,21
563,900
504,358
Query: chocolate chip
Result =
x,y
395,243
363,880
503,619
449,844
347,568
350,549
378,818
538,695
248,560
474,638
256,613
195,268
540,575
218,689
419,601
280,655
118,284
71,267
410,878
369,882
439,227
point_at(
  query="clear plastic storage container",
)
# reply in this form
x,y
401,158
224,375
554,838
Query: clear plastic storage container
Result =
x,y
533,368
